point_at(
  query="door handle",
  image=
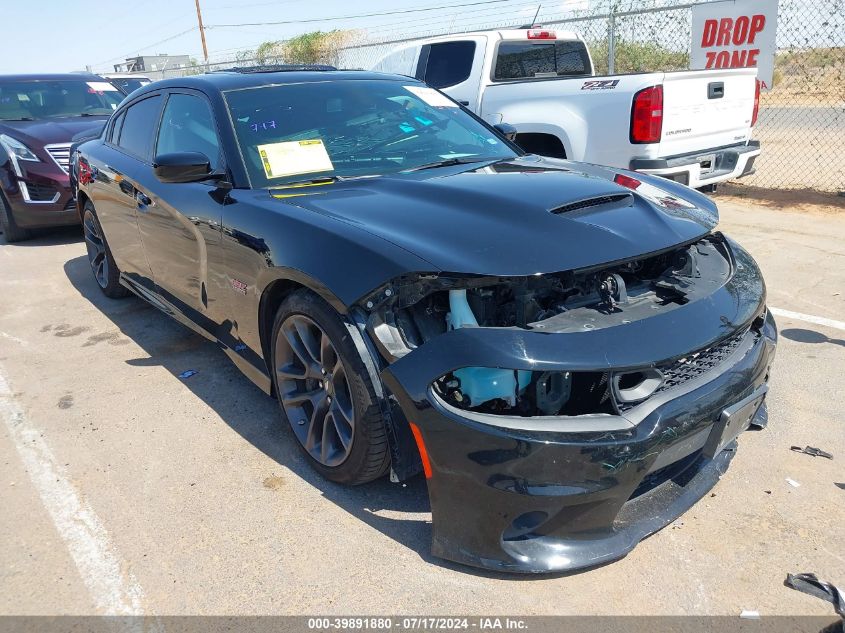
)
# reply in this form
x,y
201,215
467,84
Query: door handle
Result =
x,y
716,90
143,201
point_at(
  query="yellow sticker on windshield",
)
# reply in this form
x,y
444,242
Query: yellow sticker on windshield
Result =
x,y
291,158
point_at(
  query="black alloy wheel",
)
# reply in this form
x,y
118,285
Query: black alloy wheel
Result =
x,y
96,248
102,263
314,390
326,392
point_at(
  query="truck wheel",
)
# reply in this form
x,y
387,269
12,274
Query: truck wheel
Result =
x,y
325,392
102,263
10,229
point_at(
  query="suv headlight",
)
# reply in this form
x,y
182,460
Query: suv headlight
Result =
x,y
17,149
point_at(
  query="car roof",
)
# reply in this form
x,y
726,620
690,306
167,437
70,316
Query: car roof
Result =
x,y
51,77
234,80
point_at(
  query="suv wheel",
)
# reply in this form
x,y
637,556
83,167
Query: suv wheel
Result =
x,y
10,229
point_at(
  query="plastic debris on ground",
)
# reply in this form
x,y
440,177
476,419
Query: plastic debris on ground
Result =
x,y
188,373
747,614
811,450
792,482
811,585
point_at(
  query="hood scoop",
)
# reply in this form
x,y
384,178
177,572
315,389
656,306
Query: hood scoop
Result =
x,y
598,203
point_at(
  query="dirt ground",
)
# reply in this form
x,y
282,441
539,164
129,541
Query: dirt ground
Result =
x,y
128,489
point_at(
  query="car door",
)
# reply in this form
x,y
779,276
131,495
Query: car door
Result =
x,y
125,156
455,68
179,222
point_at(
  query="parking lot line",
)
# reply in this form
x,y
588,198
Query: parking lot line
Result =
x,y
114,592
809,318
17,340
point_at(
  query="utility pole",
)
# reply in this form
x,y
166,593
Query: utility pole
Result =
x,y
202,32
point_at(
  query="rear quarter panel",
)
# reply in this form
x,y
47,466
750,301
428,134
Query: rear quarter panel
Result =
x,y
591,115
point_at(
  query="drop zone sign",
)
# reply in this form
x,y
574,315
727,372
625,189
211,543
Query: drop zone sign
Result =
x,y
736,34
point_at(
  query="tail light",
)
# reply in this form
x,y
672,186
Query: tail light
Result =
x,y
647,115
756,104
541,34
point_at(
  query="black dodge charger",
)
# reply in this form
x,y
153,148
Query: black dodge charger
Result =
x,y
567,352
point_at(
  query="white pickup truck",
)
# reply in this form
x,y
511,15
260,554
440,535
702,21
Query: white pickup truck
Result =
x,y
693,127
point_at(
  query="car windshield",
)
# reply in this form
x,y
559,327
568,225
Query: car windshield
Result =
x,y
295,132
40,99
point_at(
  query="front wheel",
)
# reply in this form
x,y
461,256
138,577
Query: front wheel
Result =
x,y
102,263
11,231
326,393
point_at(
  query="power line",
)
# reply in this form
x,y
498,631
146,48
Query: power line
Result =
x,y
138,50
360,15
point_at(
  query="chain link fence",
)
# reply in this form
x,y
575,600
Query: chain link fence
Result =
x,y
802,119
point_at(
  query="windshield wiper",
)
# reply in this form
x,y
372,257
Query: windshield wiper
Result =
x,y
323,180
21,118
448,162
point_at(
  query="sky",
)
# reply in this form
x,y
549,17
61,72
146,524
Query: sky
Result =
x,y
63,35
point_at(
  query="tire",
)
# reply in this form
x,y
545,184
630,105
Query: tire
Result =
x,y
10,229
105,271
317,394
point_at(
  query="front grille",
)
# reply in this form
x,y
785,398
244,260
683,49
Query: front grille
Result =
x,y
689,367
60,152
40,193
682,370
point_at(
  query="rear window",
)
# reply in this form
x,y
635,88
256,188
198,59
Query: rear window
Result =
x,y
449,63
529,60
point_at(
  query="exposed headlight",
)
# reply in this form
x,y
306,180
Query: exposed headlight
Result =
x,y
526,393
17,149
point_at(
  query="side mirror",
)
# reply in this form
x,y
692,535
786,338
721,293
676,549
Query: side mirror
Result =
x,y
182,167
506,130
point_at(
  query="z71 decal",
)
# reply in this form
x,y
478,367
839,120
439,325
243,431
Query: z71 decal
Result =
x,y
600,84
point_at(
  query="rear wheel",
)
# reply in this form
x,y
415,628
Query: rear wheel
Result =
x,y
326,393
10,229
102,263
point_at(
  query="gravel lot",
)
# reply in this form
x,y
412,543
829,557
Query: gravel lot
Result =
x,y
126,488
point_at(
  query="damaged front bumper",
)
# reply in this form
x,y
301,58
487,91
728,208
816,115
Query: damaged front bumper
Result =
x,y
543,494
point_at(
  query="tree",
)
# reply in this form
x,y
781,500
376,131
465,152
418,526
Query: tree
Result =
x,y
317,47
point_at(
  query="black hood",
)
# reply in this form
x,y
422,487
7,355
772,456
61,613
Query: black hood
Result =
x,y
516,218
53,130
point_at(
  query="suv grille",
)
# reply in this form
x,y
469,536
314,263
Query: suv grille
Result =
x,y
60,152
40,193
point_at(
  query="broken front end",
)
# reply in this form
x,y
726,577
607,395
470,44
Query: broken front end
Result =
x,y
561,418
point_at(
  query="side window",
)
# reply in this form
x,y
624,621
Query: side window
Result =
x,y
449,63
139,124
114,133
188,126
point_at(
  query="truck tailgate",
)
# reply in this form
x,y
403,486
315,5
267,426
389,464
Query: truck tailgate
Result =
x,y
696,117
